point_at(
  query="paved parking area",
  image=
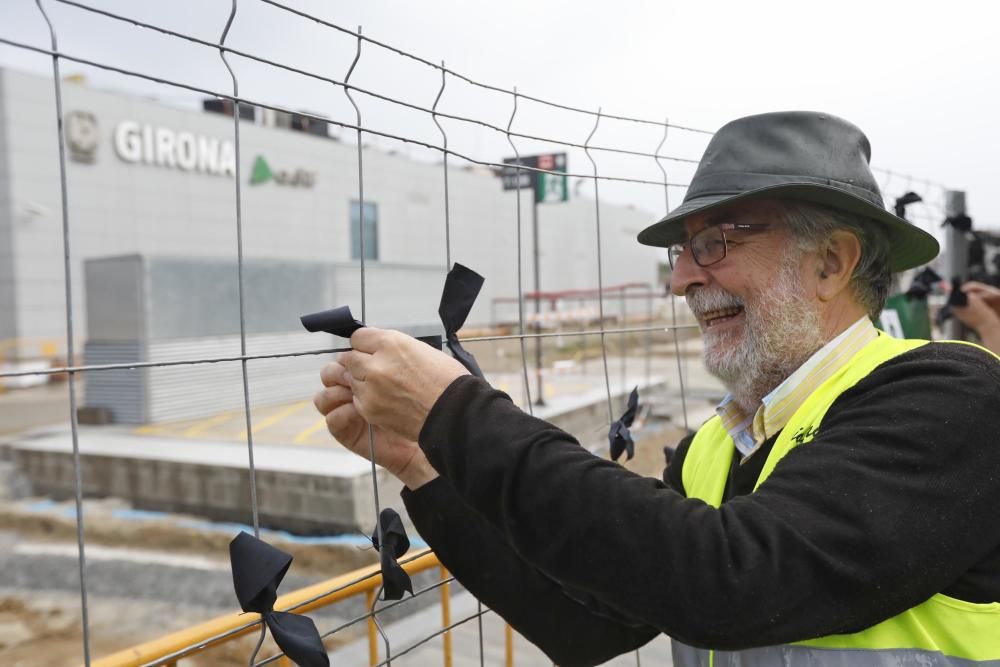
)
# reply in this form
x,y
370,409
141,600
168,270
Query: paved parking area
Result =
x,y
298,423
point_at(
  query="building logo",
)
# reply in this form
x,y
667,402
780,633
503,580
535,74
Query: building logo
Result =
x,y
164,147
81,136
262,173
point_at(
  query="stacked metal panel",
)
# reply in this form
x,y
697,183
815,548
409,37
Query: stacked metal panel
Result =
x,y
165,310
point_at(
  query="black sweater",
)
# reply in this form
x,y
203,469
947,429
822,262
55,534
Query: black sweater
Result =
x,y
897,498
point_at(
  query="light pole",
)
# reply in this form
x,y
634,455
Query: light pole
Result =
x,y
539,397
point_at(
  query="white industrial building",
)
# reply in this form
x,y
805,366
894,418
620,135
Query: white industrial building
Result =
x,y
153,240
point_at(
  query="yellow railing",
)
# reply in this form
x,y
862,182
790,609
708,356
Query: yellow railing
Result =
x,y
33,348
365,581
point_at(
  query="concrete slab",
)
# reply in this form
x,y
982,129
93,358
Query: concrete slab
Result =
x,y
308,490
333,461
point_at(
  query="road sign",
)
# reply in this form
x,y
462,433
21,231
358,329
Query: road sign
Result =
x,y
548,187
551,187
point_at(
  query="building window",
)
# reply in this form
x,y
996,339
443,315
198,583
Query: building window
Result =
x,y
371,230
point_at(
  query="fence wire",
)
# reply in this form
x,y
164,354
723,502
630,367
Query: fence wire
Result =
x,y
891,182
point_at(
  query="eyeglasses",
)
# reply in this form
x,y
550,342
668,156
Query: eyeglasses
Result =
x,y
710,245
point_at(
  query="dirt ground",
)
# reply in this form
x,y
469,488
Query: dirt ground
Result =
x,y
44,627
168,536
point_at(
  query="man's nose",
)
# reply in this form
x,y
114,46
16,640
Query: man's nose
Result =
x,y
686,274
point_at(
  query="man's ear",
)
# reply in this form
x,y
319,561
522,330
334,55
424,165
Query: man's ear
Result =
x,y
838,257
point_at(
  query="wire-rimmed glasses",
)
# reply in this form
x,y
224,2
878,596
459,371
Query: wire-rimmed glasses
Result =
x,y
710,245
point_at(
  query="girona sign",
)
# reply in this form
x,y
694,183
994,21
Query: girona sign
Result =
x,y
140,143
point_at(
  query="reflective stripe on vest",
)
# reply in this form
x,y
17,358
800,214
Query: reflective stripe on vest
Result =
x,y
940,632
808,656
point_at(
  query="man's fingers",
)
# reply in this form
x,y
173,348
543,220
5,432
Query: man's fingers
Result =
x,y
345,424
368,339
355,363
988,292
333,374
331,398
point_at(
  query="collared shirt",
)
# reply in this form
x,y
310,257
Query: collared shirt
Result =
x,y
751,431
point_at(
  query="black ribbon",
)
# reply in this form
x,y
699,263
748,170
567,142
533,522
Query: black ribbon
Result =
x,y
461,287
619,437
395,580
923,284
340,322
258,569
337,321
960,221
955,298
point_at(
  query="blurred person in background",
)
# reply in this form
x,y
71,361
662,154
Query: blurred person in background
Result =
x,y
982,313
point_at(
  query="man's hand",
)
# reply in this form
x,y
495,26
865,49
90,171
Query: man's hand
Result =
x,y
988,293
401,457
396,379
982,313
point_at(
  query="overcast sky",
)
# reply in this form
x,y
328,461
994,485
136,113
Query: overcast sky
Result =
x,y
920,78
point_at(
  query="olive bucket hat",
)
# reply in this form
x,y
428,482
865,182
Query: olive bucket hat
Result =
x,y
801,155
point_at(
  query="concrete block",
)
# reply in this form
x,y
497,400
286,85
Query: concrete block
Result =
x,y
14,484
120,478
294,503
190,486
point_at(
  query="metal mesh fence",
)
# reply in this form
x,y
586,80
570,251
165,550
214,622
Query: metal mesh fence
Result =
x,y
650,169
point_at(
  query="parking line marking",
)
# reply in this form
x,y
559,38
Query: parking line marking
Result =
x,y
306,434
207,423
150,429
276,417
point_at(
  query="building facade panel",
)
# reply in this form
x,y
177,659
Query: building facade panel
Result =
x,y
8,286
151,180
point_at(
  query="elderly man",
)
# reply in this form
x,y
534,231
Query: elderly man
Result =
x,y
841,508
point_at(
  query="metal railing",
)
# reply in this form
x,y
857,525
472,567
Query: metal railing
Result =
x,y
168,650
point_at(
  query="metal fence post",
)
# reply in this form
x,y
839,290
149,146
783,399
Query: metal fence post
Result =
x,y
446,616
956,255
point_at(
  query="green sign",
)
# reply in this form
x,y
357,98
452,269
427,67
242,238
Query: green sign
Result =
x,y
548,184
551,187
905,318
262,173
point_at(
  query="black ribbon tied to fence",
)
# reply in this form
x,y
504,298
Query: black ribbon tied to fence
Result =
x,y
461,287
258,569
619,436
923,284
956,297
395,543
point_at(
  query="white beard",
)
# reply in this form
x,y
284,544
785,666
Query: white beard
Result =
x,y
782,329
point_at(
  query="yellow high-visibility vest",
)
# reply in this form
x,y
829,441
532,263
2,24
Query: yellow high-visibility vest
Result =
x,y
940,632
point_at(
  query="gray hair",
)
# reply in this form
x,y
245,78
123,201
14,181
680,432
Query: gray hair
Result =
x,y
811,226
